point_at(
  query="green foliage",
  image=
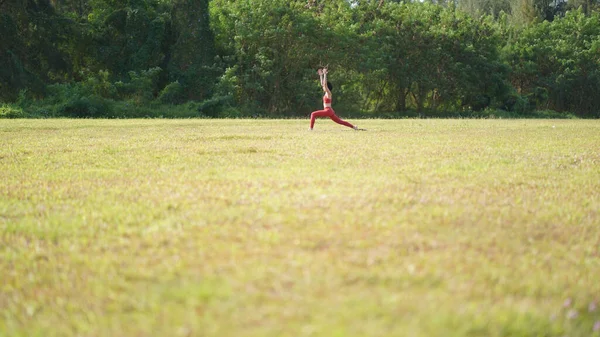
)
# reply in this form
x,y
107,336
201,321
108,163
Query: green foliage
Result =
x,y
275,48
100,85
128,36
193,50
84,107
397,58
172,94
10,111
141,87
213,106
28,54
556,63
68,100
81,101
482,7
424,56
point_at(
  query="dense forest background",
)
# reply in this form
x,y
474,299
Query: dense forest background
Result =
x,y
243,58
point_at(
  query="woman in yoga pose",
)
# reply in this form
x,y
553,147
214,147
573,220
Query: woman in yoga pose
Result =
x,y
327,110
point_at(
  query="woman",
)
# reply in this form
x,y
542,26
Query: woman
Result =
x,y
327,110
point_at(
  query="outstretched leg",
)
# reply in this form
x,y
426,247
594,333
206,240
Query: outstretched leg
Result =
x,y
338,120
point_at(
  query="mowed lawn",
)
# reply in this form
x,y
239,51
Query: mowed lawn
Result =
x,y
263,228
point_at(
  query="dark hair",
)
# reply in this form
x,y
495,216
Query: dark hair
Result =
x,y
329,85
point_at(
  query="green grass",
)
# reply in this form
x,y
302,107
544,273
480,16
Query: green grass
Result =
x,y
263,228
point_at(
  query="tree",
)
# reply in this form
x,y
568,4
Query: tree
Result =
x,y
484,7
560,58
429,57
192,55
587,6
272,49
32,46
124,36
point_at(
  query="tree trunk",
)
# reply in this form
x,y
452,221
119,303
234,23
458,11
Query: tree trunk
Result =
x,y
420,98
401,100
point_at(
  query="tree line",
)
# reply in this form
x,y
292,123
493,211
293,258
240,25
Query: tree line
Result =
x,y
240,58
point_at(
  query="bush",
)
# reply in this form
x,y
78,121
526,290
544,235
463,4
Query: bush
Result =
x,y
85,107
231,112
538,97
172,94
517,103
7,111
141,86
551,114
99,85
213,106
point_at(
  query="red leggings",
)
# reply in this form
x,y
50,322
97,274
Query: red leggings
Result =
x,y
328,112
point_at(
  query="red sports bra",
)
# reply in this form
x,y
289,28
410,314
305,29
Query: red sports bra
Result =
x,y
326,99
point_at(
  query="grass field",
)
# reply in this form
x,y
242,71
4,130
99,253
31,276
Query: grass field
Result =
x,y
263,228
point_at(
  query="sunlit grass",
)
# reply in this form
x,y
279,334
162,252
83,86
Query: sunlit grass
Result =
x,y
263,228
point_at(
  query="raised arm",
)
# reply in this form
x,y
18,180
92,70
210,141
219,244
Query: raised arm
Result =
x,y
320,72
324,83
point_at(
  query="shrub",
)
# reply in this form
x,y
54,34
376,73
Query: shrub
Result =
x,y
231,112
85,107
99,85
8,111
141,86
213,106
517,103
172,94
